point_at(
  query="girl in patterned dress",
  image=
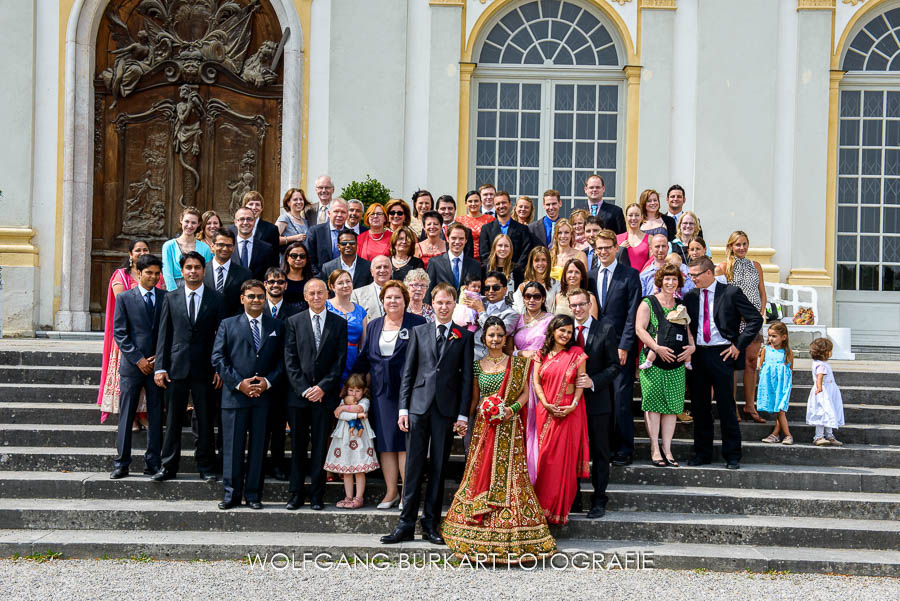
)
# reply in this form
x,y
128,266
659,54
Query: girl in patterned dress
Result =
x,y
776,375
352,452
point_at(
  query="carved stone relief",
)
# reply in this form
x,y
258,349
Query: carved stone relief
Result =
x,y
144,208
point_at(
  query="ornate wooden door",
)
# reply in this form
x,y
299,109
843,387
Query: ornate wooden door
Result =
x,y
188,101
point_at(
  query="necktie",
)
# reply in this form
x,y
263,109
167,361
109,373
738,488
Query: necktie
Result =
x,y
254,327
317,330
456,271
334,241
148,303
323,214
274,311
707,330
603,287
580,340
445,231
192,313
594,209
442,329
245,256
220,279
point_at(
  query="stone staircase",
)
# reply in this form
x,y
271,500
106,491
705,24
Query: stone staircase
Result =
x,y
799,508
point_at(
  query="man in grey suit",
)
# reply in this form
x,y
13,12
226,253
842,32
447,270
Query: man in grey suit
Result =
x,y
135,330
369,296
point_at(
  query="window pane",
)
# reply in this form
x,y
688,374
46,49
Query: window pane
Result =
x,y
891,223
587,98
487,124
584,127
528,154
893,105
509,96
868,277
871,162
892,191
891,250
870,221
850,103
562,181
584,155
846,277
606,127
890,279
483,176
847,188
868,249
606,156
487,95
609,178
528,182
870,191
892,133
849,132
486,152
872,104
508,153
562,129
892,162
562,154
531,125
509,125
607,98
871,132
506,180
846,248
565,98
847,219
531,97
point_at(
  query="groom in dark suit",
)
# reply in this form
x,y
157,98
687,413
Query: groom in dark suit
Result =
x,y
434,403
248,355
135,330
315,353
187,330
453,266
716,310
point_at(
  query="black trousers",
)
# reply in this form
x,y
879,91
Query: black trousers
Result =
x,y
598,442
710,371
623,400
129,395
275,423
310,424
200,389
429,434
237,425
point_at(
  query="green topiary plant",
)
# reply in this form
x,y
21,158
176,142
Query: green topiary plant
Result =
x,y
368,192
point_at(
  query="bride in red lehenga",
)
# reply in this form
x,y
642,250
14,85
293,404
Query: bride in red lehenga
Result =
x,y
563,454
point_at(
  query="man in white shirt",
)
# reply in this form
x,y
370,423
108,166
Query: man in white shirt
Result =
x,y
487,192
224,275
368,296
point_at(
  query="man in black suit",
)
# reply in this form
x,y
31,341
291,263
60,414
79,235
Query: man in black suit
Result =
x,y
453,266
135,330
190,318
446,208
434,403
315,352
322,239
248,355
276,282
592,227
224,275
618,291
359,269
611,214
355,211
504,224
716,311
542,229
599,342
262,229
254,254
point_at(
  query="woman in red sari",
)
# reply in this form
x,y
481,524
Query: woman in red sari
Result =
x,y
563,455
495,512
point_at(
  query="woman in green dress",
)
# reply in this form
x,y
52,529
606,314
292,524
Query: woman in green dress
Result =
x,y
662,384
495,513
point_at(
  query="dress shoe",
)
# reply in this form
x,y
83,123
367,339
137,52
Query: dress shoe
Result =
x,y
162,476
254,505
279,474
695,461
149,471
596,512
733,465
433,537
118,473
316,505
685,417
294,503
399,535
209,478
229,504
621,460
391,503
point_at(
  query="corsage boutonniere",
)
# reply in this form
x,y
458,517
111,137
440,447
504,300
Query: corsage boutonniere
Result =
x,y
455,334
403,334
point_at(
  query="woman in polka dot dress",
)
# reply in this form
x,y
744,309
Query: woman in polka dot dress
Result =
x,y
662,384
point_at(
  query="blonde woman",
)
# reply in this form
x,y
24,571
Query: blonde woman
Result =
x,y
537,269
579,219
634,240
748,276
562,249
523,212
687,232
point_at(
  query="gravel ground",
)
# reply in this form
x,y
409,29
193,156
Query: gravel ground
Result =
x,y
159,580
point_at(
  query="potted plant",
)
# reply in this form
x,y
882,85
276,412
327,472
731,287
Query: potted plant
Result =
x,y
368,191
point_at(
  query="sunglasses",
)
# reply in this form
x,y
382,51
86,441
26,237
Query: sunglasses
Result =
x,y
255,296
493,287
347,243
532,296
296,256
396,213
276,282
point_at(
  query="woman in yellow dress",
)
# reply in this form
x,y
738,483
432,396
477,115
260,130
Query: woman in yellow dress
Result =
x,y
495,512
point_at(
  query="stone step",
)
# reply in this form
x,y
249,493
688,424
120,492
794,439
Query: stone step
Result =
x,y
49,393
854,413
51,358
49,374
870,395
727,529
101,435
623,497
246,546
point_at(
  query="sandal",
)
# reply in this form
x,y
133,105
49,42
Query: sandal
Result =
x,y
658,462
670,462
345,503
355,503
772,439
754,415
788,440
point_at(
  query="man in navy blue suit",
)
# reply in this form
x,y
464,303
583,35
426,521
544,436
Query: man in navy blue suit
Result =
x,y
618,291
248,356
322,239
135,330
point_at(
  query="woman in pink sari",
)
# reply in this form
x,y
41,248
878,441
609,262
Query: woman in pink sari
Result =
x,y
561,425
124,278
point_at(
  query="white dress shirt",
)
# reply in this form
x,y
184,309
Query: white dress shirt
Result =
x,y
240,248
612,269
351,269
449,327
197,299
715,338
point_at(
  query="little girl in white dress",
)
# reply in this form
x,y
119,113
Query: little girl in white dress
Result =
x,y
352,451
825,408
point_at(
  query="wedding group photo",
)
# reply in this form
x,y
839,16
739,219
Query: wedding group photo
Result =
x,y
560,287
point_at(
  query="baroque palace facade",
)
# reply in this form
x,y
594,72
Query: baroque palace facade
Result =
x,y
779,117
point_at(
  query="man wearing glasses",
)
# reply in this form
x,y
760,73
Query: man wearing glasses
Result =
x,y
716,310
358,268
255,254
324,192
322,239
494,303
618,291
224,275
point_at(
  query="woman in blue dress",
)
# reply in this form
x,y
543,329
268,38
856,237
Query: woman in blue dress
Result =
x,y
341,284
383,356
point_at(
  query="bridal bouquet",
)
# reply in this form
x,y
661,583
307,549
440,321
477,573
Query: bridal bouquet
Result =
x,y
492,408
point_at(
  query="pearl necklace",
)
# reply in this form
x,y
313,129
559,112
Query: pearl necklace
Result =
x,y
378,239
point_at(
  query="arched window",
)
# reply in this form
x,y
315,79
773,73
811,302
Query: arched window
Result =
x,y
547,103
868,187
